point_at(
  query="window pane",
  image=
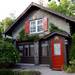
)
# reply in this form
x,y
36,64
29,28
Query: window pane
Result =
x,y
39,28
33,26
26,50
21,48
45,48
39,25
31,50
57,50
39,22
33,29
32,22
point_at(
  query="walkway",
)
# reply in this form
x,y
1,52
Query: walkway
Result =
x,y
44,69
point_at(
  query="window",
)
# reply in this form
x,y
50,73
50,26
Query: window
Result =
x,y
57,50
32,26
45,48
31,50
20,48
26,50
36,26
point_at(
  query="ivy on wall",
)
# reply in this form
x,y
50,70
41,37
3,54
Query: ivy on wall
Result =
x,y
53,28
25,37
34,37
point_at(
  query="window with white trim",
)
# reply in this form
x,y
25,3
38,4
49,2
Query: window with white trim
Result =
x,y
20,47
36,26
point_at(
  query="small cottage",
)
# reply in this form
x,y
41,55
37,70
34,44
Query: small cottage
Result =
x,y
52,47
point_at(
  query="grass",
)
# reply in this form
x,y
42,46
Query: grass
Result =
x,y
10,72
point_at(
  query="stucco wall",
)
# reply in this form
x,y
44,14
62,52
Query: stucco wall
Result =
x,y
16,31
59,22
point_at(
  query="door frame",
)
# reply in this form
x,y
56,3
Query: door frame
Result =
x,y
64,52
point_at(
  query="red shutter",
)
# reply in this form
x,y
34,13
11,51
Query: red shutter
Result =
x,y
27,24
45,24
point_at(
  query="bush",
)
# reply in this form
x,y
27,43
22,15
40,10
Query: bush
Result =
x,y
72,50
69,68
8,54
10,72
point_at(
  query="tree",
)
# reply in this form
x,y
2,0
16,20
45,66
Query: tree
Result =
x,y
65,7
5,23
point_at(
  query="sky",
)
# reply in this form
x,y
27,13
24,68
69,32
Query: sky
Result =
x,y
13,6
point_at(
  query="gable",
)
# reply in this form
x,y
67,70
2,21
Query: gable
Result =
x,y
35,7
40,14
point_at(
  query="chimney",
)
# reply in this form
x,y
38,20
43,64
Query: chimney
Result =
x,y
43,2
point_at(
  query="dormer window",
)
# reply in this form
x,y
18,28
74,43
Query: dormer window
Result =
x,y
36,26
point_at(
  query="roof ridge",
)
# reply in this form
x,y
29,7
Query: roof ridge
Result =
x,y
40,7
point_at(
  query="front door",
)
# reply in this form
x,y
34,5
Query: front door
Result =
x,y
57,56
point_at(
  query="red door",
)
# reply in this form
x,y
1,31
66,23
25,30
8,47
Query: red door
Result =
x,y
57,47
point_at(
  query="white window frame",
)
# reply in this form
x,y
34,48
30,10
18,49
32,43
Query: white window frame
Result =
x,y
36,21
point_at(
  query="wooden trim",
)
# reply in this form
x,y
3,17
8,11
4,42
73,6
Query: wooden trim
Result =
x,y
50,54
65,52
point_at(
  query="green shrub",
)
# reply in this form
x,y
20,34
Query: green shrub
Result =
x,y
8,54
10,72
72,50
69,69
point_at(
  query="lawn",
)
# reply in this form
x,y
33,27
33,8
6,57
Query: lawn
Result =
x,y
10,72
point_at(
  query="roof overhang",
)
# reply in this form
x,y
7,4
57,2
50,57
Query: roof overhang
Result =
x,y
31,7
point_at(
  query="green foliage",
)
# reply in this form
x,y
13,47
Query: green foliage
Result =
x,y
5,23
69,68
10,72
33,37
72,62
8,53
72,50
25,37
53,5
53,28
65,7
0,35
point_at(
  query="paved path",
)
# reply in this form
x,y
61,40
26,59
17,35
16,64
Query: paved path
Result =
x,y
45,70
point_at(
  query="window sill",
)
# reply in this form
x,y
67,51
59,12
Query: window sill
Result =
x,y
37,32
